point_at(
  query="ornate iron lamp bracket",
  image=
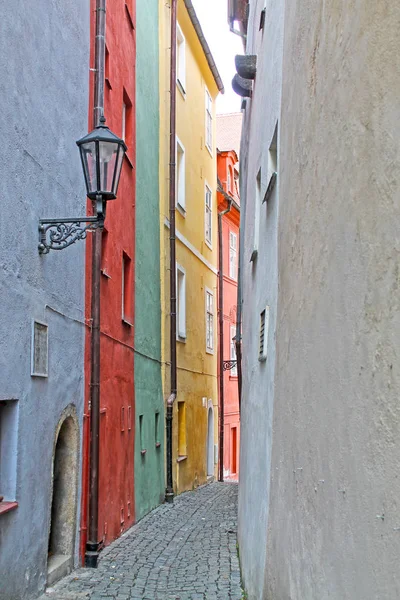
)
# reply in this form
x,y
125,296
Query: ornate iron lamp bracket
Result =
x,y
229,365
57,234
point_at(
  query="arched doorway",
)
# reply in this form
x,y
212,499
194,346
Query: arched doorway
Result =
x,y
210,442
63,506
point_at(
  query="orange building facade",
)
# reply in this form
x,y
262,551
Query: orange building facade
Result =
x,y
228,194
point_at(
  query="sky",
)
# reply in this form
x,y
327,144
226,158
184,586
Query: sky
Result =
x,y
224,45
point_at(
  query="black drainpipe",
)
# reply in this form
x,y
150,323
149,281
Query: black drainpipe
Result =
x,y
169,492
92,543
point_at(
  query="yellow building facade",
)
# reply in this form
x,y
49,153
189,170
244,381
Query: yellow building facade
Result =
x,y
195,412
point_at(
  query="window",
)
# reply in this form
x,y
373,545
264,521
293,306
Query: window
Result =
x,y
182,448
257,210
141,439
8,453
209,321
233,255
40,350
123,133
107,68
233,349
104,253
180,59
208,216
229,182
127,121
272,167
180,303
180,175
157,429
129,12
264,326
234,450
209,122
127,290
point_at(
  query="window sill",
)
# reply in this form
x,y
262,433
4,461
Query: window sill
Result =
x,y
181,210
105,274
126,322
208,244
108,83
181,89
233,377
208,351
181,458
6,507
209,151
181,339
158,445
143,452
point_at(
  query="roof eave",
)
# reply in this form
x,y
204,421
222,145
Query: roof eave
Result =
x,y
206,49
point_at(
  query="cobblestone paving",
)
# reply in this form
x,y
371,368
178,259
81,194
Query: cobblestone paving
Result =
x,y
186,551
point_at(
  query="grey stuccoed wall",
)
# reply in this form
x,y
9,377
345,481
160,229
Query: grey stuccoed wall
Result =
x,y
261,118
44,61
334,514
319,475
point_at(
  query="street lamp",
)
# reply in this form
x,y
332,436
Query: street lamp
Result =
x,y
102,154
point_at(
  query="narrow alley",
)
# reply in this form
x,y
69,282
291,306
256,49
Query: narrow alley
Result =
x,y
185,550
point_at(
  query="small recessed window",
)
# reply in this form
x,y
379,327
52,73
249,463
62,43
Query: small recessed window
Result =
x,y
141,436
180,175
263,340
127,289
209,321
233,255
180,59
209,121
180,303
182,447
129,12
157,429
8,450
40,350
233,349
127,121
208,216
107,68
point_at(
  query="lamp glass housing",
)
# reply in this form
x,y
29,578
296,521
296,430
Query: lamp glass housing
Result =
x,y
102,154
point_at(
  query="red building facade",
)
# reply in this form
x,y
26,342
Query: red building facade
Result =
x,y
117,417
228,189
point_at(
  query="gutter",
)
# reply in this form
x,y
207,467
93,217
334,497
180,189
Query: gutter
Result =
x,y
169,492
204,45
93,543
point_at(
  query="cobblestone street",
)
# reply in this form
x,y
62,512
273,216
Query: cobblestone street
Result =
x,y
184,551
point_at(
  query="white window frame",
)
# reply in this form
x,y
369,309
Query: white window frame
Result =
x,y
180,303
209,121
208,215
180,59
232,330
209,314
180,175
233,255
